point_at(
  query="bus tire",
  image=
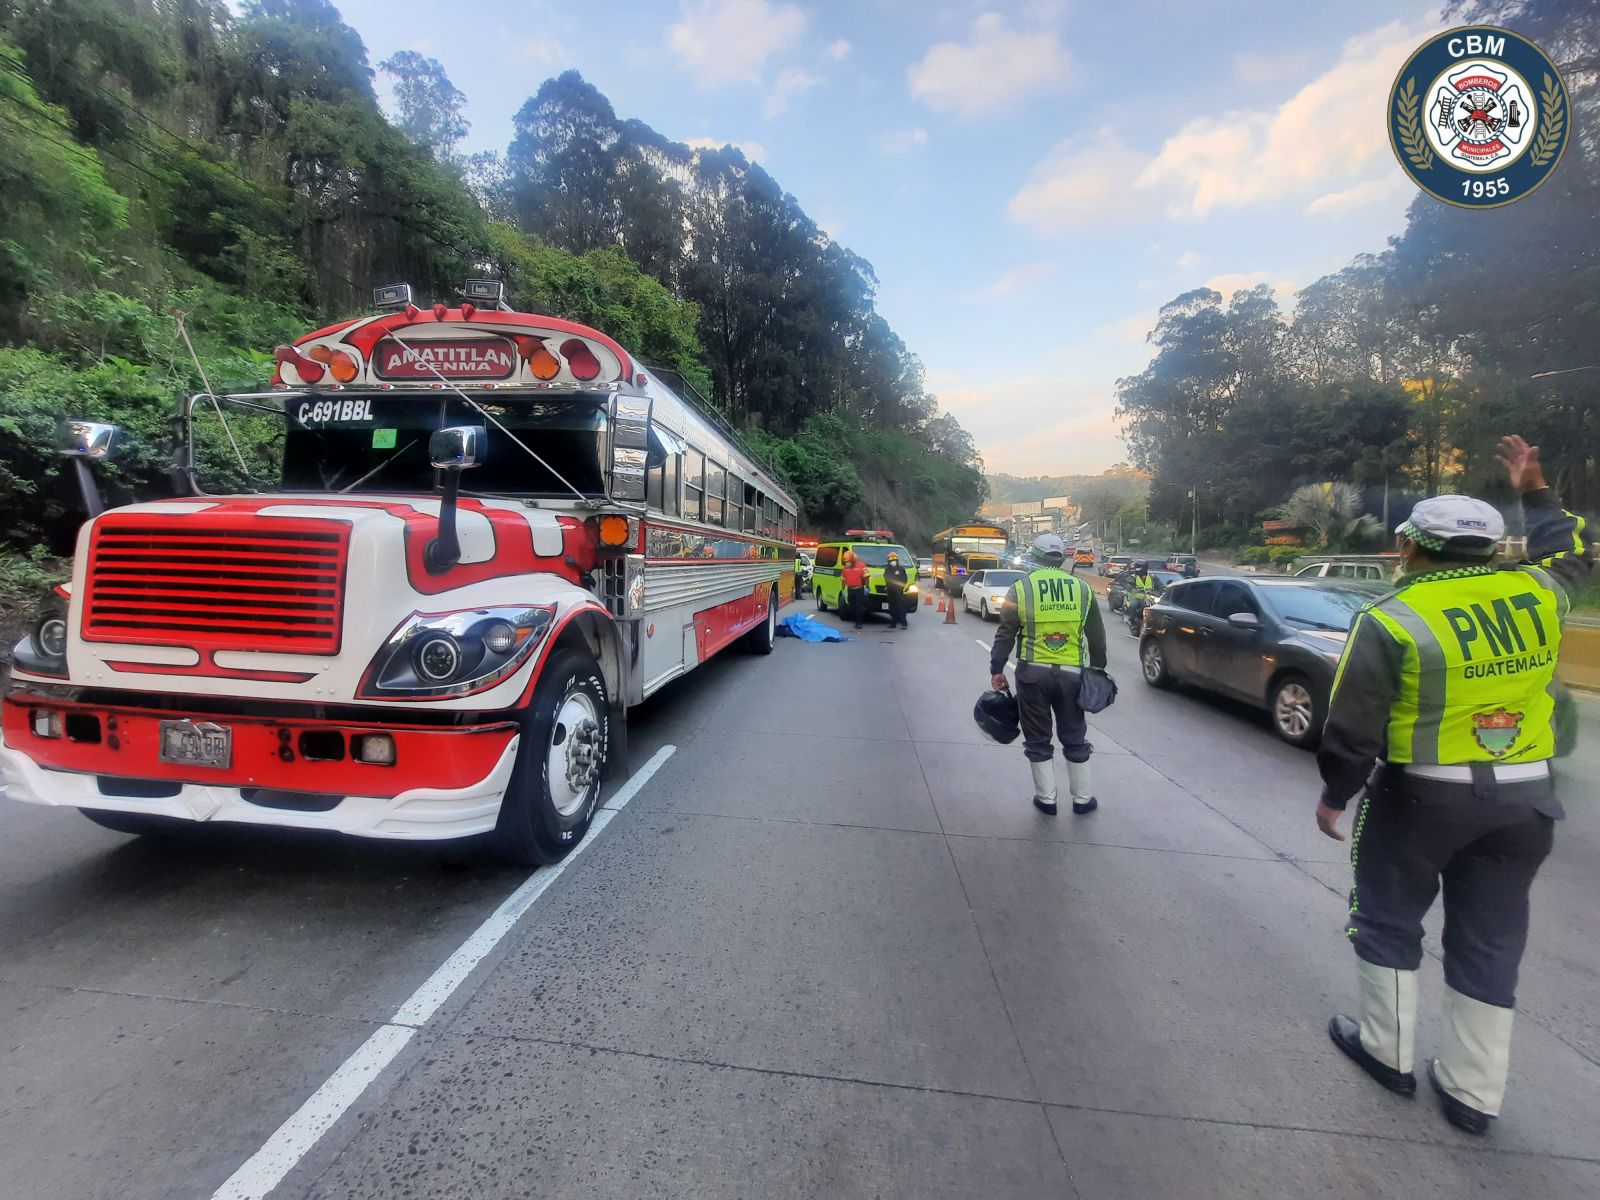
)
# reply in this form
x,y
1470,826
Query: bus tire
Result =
x,y
759,640
555,785
137,824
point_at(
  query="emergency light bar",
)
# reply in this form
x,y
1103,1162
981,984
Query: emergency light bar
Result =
x,y
395,295
871,535
485,293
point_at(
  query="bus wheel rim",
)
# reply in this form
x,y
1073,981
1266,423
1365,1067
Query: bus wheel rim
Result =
x,y
572,766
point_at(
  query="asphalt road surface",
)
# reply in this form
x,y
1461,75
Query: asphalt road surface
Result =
x,y
828,949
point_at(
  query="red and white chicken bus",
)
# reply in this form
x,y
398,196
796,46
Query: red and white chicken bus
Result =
x,y
411,593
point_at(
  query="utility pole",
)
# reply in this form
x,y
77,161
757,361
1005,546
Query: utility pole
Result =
x,y
1194,516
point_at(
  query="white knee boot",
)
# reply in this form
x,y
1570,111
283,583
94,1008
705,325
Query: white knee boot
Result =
x,y
1388,1014
1044,780
1080,780
1474,1052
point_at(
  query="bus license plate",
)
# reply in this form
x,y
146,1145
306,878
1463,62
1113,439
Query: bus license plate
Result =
x,y
196,743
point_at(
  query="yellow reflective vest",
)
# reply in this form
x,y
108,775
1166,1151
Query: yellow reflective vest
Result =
x,y
1479,649
1052,606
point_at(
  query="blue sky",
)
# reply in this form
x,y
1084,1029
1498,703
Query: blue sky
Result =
x,y
1031,180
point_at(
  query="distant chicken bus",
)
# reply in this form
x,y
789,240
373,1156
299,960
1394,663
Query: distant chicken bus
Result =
x,y
963,549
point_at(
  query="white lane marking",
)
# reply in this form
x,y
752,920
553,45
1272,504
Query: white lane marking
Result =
x,y
641,777
982,643
292,1140
265,1169
436,989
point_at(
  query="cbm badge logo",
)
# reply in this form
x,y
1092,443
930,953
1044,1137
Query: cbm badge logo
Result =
x,y
1478,117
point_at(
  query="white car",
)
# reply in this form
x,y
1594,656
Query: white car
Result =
x,y
985,591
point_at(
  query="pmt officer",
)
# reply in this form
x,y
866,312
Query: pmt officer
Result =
x,y
1442,709
1049,614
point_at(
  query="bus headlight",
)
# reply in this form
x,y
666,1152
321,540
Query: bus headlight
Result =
x,y
432,656
44,650
51,636
438,658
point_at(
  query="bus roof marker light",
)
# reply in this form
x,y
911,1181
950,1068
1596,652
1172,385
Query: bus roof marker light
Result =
x,y
581,360
394,295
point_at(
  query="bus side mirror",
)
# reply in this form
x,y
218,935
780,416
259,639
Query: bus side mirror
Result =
x,y
454,449
82,441
457,447
630,446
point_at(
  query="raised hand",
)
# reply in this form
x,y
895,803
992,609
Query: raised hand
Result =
x,y
1521,462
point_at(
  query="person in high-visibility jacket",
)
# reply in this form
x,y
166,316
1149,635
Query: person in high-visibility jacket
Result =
x,y
1050,616
1442,709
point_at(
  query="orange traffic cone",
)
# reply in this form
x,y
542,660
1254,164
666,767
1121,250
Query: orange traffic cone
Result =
x,y
941,601
950,613
927,599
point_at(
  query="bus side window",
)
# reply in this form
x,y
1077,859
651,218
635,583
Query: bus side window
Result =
x,y
655,486
735,512
752,508
669,490
716,485
694,485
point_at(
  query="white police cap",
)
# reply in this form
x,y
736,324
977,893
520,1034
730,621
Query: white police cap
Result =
x,y
1457,523
1048,545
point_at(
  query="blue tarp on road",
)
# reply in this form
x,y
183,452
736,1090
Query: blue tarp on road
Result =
x,y
808,629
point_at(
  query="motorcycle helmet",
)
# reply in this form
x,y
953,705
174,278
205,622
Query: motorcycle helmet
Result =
x,y
996,715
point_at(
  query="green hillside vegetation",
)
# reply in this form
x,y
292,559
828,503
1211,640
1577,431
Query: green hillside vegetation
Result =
x,y
167,157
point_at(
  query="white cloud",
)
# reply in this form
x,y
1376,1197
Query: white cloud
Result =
x,y
1022,278
754,151
729,41
997,69
1190,258
1038,425
1082,183
1373,191
791,81
838,50
902,141
1134,328
1236,281
1327,133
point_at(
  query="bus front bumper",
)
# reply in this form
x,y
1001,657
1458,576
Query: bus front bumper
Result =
x,y
446,782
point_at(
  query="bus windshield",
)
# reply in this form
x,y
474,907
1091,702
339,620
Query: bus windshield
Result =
x,y
350,442
978,545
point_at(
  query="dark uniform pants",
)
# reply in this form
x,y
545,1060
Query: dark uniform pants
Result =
x,y
1043,692
897,606
1486,847
856,599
